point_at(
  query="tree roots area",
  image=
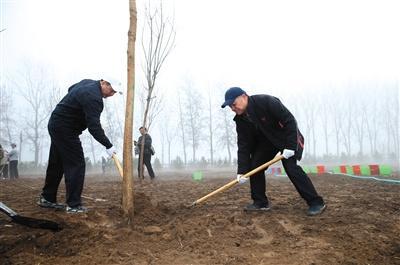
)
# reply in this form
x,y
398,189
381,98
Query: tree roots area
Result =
x,y
361,224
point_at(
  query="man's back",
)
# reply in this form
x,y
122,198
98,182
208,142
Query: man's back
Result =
x,y
13,155
83,102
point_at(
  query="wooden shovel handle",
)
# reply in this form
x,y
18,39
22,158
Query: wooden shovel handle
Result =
x,y
234,182
118,164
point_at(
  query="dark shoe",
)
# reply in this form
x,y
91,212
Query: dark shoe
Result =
x,y
42,202
256,208
316,209
77,209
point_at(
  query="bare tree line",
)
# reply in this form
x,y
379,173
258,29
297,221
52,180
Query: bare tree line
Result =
x,y
356,122
344,125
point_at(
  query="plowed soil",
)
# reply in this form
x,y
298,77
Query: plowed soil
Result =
x,y
360,226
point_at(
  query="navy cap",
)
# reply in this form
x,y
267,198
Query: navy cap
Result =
x,y
231,94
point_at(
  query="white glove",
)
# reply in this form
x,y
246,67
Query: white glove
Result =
x,y
287,153
110,151
241,179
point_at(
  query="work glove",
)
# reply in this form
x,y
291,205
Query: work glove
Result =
x,y
110,151
287,153
241,179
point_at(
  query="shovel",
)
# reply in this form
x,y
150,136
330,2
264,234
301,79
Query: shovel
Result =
x,y
28,221
234,182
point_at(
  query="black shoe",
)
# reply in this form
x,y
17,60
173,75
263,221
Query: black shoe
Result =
x,y
76,209
42,202
316,209
256,208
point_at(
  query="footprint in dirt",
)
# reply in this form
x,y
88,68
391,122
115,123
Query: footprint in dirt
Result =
x,y
289,226
266,238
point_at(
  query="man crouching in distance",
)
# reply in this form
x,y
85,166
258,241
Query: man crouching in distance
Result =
x,y
264,127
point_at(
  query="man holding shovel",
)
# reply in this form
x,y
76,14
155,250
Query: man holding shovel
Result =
x,y
264,127
79,109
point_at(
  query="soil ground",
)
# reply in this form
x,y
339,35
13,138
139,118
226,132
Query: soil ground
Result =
x,y
360,226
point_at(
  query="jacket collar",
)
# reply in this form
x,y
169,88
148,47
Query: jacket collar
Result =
x,y
251,109
250,113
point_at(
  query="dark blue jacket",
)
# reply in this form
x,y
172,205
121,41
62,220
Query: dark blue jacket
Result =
x,y
266,117
80,109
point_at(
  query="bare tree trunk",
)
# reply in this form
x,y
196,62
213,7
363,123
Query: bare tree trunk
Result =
x,y
226,138
396,132
314,137
6,103
211,129
182,128
193,112
372,122
21,140
346,127
162,134
169,153
192,132
127,188
359,129
93,150
324,114
337,117
309,117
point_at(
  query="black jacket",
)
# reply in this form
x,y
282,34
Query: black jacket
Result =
x,y
266,117
147,144
80,109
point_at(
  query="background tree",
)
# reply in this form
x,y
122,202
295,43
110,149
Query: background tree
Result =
x,y
325,119
157,42
182,128
7,124
34,88
346,125
372,122
391,121
359,122
227,134
311,112
210,119
167,129
193,119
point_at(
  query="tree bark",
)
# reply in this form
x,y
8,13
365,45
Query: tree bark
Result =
x,y
127,188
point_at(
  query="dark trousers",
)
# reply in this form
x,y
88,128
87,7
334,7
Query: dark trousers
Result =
x,y
297,176
4,171
13,169
66,157
147,163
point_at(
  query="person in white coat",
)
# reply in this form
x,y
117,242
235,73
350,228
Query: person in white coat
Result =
x,y
13,159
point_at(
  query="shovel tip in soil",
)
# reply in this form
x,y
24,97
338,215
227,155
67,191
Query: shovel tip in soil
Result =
x,y
192,205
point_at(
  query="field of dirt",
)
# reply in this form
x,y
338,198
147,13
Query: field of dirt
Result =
x,y
360,226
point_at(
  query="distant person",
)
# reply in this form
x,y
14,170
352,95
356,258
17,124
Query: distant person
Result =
x,y
264,127
147,152
13,161
79,109
3,163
